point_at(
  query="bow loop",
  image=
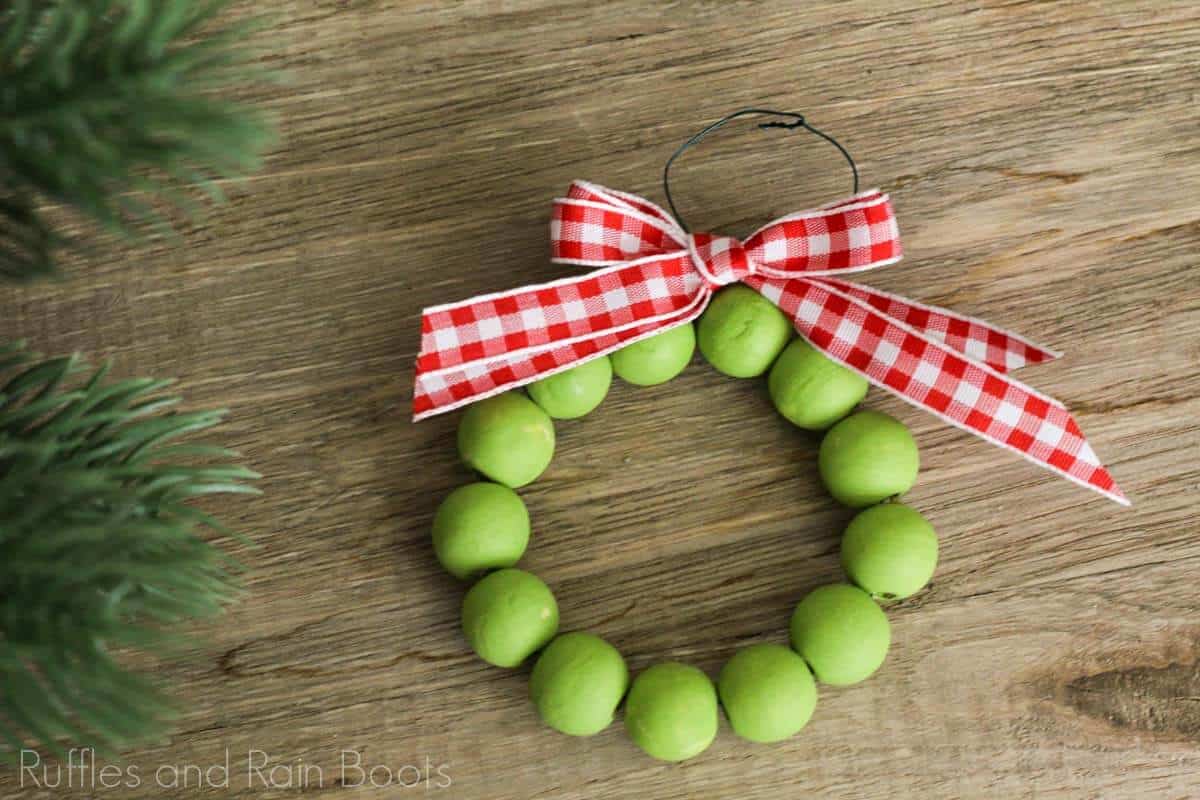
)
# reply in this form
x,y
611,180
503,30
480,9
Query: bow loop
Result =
x,y
852,235
720,260
594,227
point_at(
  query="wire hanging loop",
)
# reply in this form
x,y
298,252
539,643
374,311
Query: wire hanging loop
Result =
x,y
797,121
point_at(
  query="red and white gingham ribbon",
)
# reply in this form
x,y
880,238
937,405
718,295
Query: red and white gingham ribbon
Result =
x,y
652,276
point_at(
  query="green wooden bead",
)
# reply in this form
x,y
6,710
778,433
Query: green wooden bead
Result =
x,y
478,527
577,683
508,616
671,711
841,633
768,692
890,550
574,392
810,390
656,359
507,437
866,458
742,332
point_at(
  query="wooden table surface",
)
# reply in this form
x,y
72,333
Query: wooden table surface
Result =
x,y
1043,160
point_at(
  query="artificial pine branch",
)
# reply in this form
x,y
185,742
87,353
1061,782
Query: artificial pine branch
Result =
x,y
100,551
113,108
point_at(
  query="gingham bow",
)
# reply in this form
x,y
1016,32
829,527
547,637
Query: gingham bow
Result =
x,y
652,275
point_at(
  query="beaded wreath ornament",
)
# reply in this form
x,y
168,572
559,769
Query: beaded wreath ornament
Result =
x,y
633,315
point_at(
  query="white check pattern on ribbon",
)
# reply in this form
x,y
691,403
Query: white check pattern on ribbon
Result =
x,y
651,275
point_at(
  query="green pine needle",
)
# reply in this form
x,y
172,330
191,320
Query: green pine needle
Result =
x,y
99,550
113,108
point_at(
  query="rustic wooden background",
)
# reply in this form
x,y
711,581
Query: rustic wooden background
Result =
x,y
1044,162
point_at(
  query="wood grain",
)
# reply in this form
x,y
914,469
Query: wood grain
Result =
x,y
1043,160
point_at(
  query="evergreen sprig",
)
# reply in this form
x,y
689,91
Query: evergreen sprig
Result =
x,y
100,549
114,108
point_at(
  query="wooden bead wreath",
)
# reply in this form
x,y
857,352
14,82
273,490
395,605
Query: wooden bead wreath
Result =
x,y
633,316
838,633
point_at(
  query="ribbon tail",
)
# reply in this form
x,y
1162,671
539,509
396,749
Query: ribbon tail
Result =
x,y
492,343
930,374
1000,349
438,392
